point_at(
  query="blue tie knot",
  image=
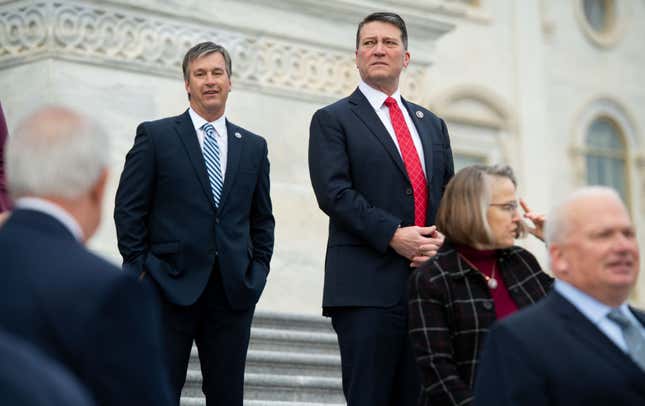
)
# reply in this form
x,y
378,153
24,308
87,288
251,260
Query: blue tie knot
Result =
x,y
209,129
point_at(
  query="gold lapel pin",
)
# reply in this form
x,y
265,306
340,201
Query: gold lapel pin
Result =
x,y
419,113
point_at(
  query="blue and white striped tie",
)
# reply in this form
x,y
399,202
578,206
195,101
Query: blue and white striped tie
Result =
x,y
212,159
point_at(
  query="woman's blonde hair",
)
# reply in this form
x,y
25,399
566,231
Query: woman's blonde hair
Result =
x,y
462,212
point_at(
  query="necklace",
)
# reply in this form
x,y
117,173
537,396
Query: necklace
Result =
x,y
490,280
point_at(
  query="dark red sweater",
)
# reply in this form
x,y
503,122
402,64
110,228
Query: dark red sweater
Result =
x,y
484,260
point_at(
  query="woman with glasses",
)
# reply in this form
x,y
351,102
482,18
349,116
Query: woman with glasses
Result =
x,y
5,204
477,277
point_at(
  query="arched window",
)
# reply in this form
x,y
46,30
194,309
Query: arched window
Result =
x,y
480,123
606,156
603,21
599,14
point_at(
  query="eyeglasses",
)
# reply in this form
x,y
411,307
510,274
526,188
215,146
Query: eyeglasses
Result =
x,y
510,207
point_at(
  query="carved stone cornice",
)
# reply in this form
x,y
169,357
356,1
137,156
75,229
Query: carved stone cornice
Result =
x,y
120,37
420,16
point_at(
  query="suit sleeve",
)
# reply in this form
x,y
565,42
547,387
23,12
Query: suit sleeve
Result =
x,y
507,375
127,327
432,343
450,165
331,178
133,200
261,220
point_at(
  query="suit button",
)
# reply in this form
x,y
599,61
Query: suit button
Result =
x,y
487,305
408,191
216,220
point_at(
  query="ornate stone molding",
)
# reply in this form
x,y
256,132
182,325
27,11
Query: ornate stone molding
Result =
x,y
420,16
475,105
121,37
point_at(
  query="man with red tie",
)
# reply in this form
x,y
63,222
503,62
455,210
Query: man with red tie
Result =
x,y
378,166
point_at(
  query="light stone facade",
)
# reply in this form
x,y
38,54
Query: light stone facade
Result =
x,y
517,83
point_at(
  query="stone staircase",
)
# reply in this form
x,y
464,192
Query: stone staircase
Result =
x,y
293,360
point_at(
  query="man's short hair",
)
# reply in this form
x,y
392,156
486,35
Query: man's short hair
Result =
x,y
55,152
462,212
557,225
203,49
385,17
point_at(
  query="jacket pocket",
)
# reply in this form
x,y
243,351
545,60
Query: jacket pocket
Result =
x,y
168,256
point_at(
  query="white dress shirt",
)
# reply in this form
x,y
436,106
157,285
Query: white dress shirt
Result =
x,y
221,136
376,98
57,212
597,312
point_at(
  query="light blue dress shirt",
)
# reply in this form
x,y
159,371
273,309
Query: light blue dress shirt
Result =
x,y
597,312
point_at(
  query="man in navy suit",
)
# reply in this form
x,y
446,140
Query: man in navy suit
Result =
x,y
378,166
582,344
76,307
193,217
30,378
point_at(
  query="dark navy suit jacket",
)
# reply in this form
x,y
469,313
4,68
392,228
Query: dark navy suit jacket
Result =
x,y
81,311
360,182
30,378
551,354
167,223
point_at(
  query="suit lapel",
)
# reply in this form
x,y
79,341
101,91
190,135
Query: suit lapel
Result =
x,y
186,132
364,111
585,331
426,139
639,314
235,140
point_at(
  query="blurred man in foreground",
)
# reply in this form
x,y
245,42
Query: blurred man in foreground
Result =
x,y
23,365
76,307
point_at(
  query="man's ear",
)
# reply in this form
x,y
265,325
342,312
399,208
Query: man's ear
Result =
x,y
559,263
98,190
406,59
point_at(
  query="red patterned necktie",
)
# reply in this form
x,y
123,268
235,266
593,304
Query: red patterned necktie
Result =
x,y
411,161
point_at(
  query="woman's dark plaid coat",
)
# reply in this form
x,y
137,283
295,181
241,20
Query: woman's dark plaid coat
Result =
x,y
451,311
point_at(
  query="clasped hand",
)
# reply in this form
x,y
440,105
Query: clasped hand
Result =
x,y
418,244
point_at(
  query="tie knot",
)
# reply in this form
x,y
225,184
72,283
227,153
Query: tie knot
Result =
x,y
390,102
209,129
619,318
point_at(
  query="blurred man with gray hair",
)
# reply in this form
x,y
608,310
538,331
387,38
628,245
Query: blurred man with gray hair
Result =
x,y
76,307
582,344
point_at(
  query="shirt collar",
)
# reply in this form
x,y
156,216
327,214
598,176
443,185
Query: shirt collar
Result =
x,y
587,305
54,210
199,121
375,97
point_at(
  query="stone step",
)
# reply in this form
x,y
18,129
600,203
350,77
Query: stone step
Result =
x,y
299,322
202,402
285,363
272,403
286,341
303,364
293,360
281,388
293,388
270,339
